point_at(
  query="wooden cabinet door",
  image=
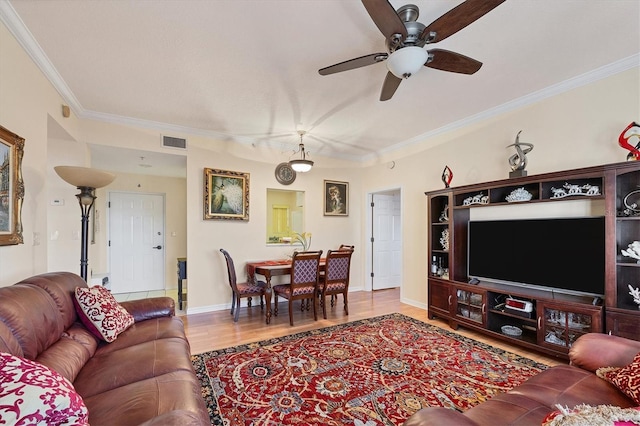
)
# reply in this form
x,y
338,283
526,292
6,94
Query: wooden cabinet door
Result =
x,y
439,299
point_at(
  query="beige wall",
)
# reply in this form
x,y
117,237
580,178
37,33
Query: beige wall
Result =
x,y
574,129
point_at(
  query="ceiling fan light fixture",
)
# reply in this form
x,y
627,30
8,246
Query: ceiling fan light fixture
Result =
x,y
405,62
301,165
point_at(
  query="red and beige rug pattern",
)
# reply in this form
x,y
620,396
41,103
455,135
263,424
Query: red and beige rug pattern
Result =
x,y
370,372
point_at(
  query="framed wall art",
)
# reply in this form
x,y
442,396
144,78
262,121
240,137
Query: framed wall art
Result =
x,y
11,187
336,198
226,195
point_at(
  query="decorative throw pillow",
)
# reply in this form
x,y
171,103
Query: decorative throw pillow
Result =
x,y
584,414
101,313
33,394
627,378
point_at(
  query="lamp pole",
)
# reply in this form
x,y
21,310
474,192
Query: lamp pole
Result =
x,y
86,197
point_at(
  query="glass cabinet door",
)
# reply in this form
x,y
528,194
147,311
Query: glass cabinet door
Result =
x,y
562,328
470,305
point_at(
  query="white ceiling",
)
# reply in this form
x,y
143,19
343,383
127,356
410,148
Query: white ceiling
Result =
x,y
247,70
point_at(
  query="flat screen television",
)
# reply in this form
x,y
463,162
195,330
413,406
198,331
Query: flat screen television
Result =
x,y
566,254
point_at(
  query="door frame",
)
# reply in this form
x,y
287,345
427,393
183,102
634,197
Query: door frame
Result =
x,y
368,282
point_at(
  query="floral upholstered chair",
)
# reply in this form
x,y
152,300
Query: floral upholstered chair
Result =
x,y
241,290
335,279
304,284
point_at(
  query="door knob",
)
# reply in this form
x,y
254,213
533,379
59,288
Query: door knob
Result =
x,y
158,247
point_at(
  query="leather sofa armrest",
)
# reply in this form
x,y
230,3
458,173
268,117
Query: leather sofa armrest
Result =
x,y
438,416
594,350
155,307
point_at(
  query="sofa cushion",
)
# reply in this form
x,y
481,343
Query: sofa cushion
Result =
x,y
35,333
178,392
101,313
627,378
145,331
33,394
69,354
128,365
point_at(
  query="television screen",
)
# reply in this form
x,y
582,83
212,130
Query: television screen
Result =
x,y
566,253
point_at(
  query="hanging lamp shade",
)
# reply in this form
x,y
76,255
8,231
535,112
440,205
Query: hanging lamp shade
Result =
x,y
301,165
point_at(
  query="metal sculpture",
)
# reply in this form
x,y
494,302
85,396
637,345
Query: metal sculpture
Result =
x,y
518,161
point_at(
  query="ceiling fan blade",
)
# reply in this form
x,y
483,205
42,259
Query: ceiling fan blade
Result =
x,y
362,61
446,60
389,87
458,18
385,18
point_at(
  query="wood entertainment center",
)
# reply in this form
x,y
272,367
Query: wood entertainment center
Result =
x,y
549,321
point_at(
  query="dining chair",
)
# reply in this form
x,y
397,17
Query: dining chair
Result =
x,y
304,283
244,289
347,247
335,280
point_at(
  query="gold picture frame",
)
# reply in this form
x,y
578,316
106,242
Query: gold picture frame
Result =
x,y
226,195
11,187
336,198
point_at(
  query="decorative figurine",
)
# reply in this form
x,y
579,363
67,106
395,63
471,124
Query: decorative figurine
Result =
x,y
447,176
518,161
635,293
632,130
633,251
444,215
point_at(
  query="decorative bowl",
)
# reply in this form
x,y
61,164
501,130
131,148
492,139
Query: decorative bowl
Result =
x,y
510,330
518,195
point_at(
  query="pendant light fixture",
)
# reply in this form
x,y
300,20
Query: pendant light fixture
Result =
x,y
301,165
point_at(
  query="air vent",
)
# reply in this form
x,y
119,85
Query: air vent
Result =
x,y
171,142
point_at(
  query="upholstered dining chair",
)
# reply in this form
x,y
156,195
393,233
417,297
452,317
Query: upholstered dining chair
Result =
x,y
304,283
347,247
244,289
335,279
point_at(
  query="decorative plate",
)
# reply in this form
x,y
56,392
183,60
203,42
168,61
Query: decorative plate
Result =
x,y
285,174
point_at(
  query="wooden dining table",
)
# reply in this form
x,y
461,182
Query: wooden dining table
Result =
x,y
268,269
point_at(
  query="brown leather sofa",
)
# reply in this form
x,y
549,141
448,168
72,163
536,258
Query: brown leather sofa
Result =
x,y
533,400
144,377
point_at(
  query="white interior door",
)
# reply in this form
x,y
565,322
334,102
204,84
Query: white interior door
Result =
x,y
387,241
136,242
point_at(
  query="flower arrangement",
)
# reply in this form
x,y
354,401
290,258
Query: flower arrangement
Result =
x,y
635,293
303,238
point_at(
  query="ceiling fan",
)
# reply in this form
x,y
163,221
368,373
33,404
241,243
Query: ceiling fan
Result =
x,y
405,38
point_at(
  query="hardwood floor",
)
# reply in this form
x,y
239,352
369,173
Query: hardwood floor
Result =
x,y
216,330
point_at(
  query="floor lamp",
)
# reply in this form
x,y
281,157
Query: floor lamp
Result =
x,y
86,180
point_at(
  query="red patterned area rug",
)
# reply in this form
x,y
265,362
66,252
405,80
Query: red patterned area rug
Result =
x,y
377,371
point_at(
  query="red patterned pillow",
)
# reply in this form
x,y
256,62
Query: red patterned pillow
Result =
x,y
584,414
101,313
33,394
627,378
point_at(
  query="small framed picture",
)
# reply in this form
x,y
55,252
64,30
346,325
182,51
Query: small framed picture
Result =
x,y
226,195
11,187
336,198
